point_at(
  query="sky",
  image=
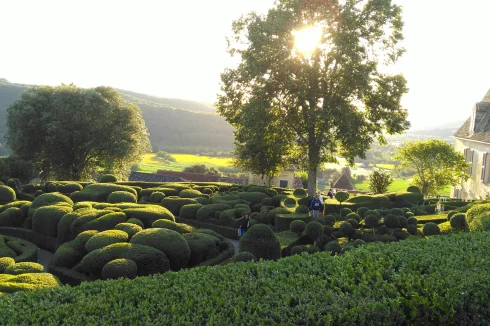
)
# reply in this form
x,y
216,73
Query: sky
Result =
x,y
177,49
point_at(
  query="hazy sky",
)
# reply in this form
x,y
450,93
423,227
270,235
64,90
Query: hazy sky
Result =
x,y
178,49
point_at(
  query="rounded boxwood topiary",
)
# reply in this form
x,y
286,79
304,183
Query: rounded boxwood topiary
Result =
x,y
267,201
51,187
361,211
277,199
298,250
13,217
189,211
23,268
204,245
329,219
353,222
383,229
333,247
7,195
451,214
412,229
261,241
412,220
300,193
121,197
6,262
136,222
314,230
68,188
372,212
207,191
371,221
301,209
397,212
414,189
392,221
344,212
108,178
130,228
403,221
45,219
174,203
341,196
409,214
243,257
179,227
170,242
51,199
289,202
157,196
105,222
38,193
190,193
346,228
105,238
119,268
149,214
458,221
297,226
431,229
357,243
327,230
353,216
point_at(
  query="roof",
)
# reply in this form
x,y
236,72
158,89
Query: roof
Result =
x,y
151,177
486,98
343,183
482,126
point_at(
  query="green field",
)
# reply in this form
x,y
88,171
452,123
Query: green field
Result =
x,y
151,163
399,185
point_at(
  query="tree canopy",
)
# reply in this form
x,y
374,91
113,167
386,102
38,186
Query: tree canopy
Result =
x,y
334,100
73,133
379,181
437,164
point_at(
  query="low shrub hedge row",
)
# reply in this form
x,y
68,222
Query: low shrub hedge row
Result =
x,y
437,281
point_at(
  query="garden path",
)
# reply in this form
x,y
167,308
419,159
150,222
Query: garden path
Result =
x,y
235,244
44,257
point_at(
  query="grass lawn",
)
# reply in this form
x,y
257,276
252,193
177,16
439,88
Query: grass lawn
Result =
x,y
386,166
286,238
400,185
151,163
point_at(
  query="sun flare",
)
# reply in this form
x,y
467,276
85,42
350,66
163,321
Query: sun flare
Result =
x,y
308,39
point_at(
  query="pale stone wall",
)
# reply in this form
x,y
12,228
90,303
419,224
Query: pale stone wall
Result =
x,y
287,176
473,188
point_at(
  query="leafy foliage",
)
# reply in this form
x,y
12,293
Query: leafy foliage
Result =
x,y
379,181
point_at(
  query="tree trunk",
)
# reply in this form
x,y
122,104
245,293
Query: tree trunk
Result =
x,y
311,181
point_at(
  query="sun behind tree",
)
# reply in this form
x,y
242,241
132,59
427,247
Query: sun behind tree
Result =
x,y
308,39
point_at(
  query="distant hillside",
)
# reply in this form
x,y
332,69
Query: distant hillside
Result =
x,y
172,123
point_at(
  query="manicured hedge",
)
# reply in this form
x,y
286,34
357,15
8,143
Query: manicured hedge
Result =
x,y
149,214
438,281
46,219
202,247
99,192
27,282
371,202
261,242
121,197
7,194
283,221
174,203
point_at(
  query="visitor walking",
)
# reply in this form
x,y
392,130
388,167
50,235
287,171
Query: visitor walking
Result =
x,y
315,206
244,225
330,194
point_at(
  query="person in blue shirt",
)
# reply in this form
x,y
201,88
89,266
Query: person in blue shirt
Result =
x,y
315,206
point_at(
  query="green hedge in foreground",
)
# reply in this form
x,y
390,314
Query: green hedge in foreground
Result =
x,y
438,281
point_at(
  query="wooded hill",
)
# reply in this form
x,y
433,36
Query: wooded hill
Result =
x,y
172,123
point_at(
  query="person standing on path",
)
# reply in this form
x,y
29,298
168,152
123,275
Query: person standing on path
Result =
x,y
315,206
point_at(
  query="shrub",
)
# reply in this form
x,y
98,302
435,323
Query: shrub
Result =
x,y
353,216
414,189
179,227
7,194
121,197
298,250
301,209
203,246
68,188
38,193
383,229
431,229
149,214
346,228
46,219
99,192
51,199
297,226
409,214
6,262
267,201
450,214
108,178
23,268
333,247
243,257
165,191
130,228
148,259
412,229
277,199
408,198
341,196
412,221
361,211
51,187
397,212
372,202
329,219
403,221
392,221
290,202
252,197
371,221
105,238
105,222
135,221
458,221
189,211
261,242
190,193
207,191
170,242
344,212
174,204
157,197
78,225
314,230
12,217
300,193
118,268
353,222
209,211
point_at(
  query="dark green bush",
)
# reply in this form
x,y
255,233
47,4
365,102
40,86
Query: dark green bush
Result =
x,y
333,247
344,212
209,211
277,199
51,187
314,230
203,246
51,199
165,191
99,192
353,222
391,221
12,217
38,193
347,229
300,193
414,189
243,257
149,214
105,222
383,229
403,221
361,211
207,191
23,268
371,202
157,197
121,197
81,240
329,219
458,221
261,241
7,194
412,220
68,188
409,214
267,201
353,216
301,209
179,227
108,178
189,211
297,226
431,229
135,221
412,229
298,250
118,268
289,202
397,212
190,193
174,204
130,228
371,221
252,197
170,242
6,251
450,214
403,199
148,259
46,219
105,238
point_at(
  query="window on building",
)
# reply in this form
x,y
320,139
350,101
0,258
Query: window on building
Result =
x,y
485,168
283,183
469,155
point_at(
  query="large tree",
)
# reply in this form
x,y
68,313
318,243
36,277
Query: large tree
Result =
x,y
437,164
334,99
73,133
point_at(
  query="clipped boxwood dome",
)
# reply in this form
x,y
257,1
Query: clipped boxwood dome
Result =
x,y
346,228
23,268
46,219
68,188
136,222
149,214
105,222
333,247
458,221
6,262
118,268
243,257
190,193
403,221
397,212
329,219
412,220
121,197
297,226
261,241
130,228
170,242
189,211
431,229
7,195
107,178
392,221
298,250
204,245
353,222
290,202
174,204
157,196
414,189
371,221
412,229
13,217
353,216
179,227
50,199
344,212
300,193
361,211
302,209
105,238
314,230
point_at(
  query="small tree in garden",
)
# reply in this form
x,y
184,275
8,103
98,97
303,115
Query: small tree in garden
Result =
x,y
342,196
379,181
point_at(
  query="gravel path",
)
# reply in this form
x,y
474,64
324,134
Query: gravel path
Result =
x,y
44,257
235,244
